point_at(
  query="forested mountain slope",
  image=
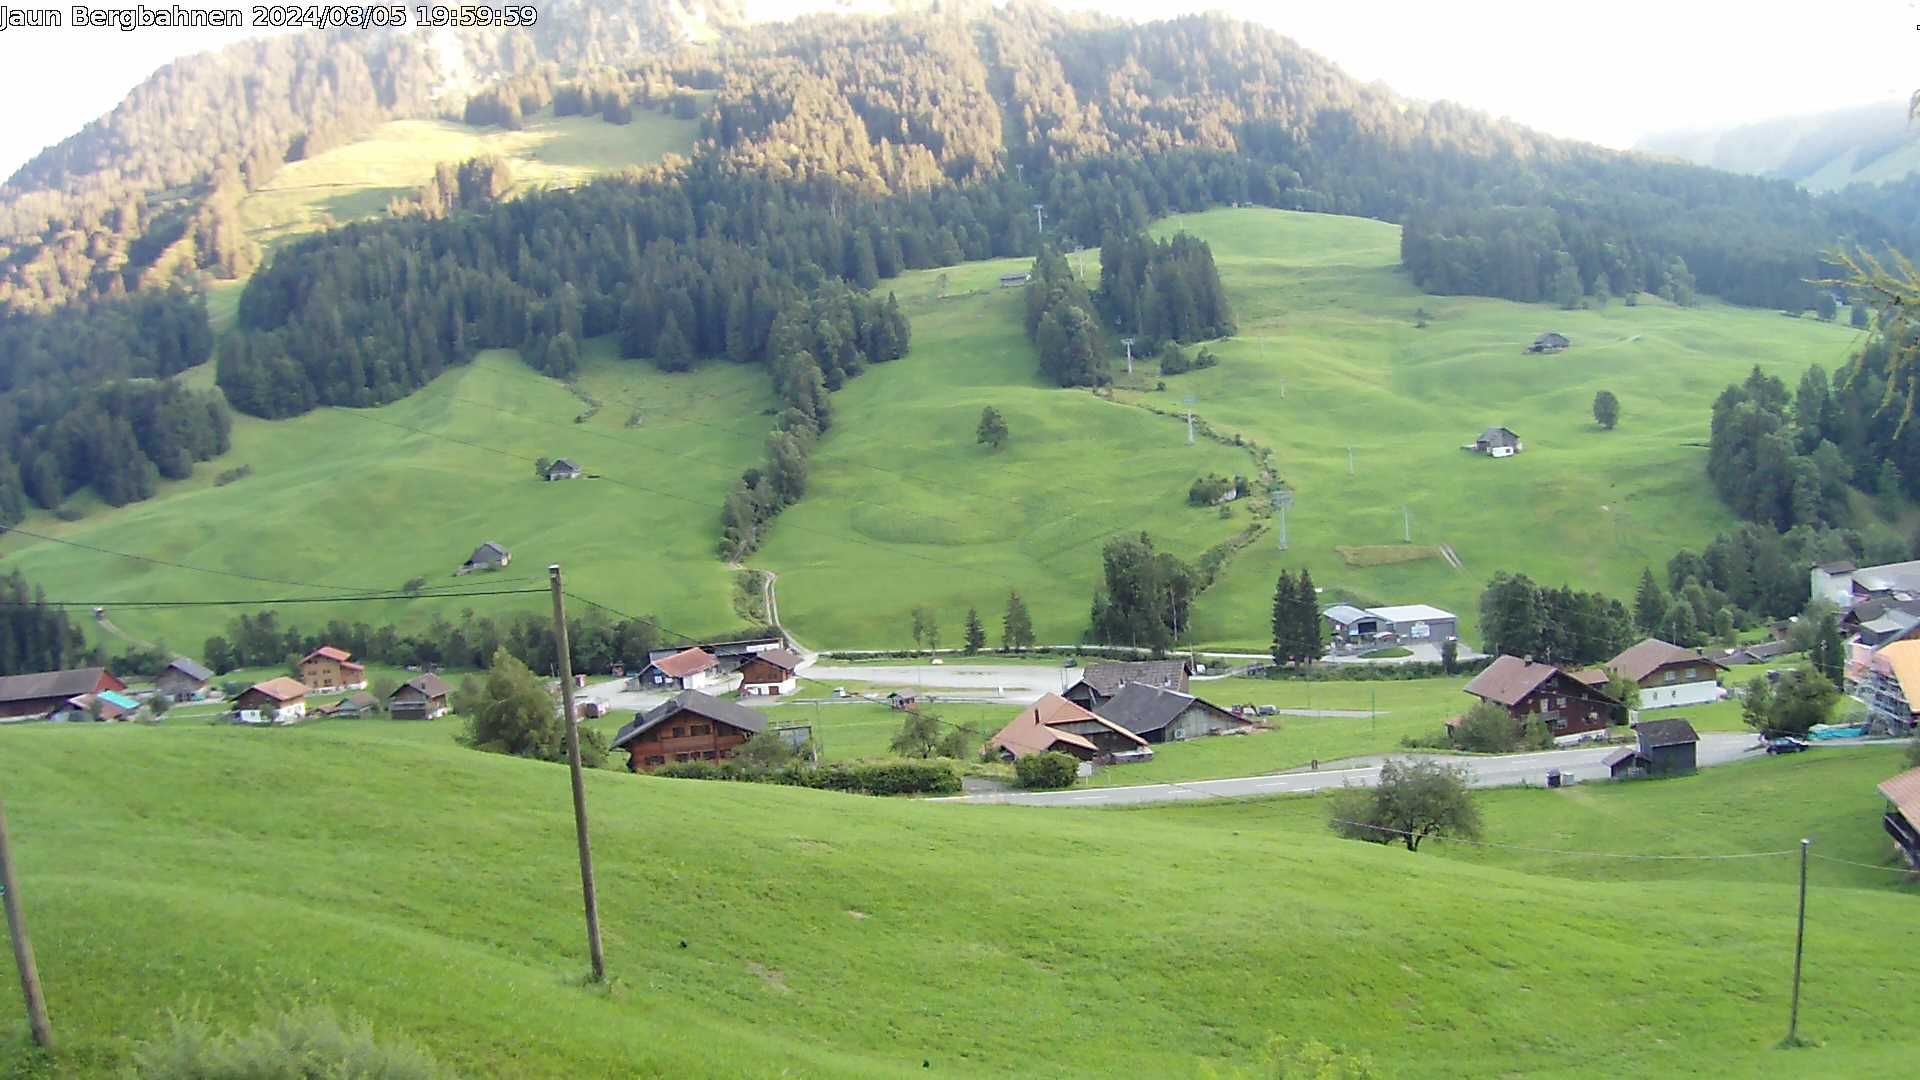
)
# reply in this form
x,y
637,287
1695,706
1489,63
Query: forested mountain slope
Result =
x,y
169,166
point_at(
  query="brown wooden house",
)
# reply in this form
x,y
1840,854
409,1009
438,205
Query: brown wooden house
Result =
x,y
183,679
423,697
1533,691
691,727
1099,682
44,692
770,673
1159,716
1055,724
328,668
276,701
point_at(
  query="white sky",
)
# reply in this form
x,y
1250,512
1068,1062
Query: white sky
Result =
x,y
1608,72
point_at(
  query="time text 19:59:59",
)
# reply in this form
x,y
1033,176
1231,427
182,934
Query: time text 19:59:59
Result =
x,y
472,15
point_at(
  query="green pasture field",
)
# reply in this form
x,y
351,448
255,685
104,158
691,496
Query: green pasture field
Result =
x,y
905,509
1328,357
382,870
357,181
366,499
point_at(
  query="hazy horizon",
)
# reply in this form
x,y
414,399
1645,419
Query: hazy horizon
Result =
x,y
1637,70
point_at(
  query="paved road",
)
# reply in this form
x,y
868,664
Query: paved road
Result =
x,y
1507,771
1017,681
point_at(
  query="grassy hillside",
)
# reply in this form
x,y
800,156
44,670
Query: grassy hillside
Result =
x,y
1329,357
905,509
755,931
357,181
371,498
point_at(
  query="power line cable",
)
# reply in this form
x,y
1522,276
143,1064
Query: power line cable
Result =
x,y
4,529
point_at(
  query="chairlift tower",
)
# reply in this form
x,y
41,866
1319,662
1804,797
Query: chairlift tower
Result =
x,y
1190,403
1128,342
1040,217
1282,502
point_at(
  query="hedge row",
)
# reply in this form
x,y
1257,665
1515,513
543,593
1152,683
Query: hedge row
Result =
x,y
859,778
1415,669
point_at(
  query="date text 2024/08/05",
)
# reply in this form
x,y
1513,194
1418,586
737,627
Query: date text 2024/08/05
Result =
x,y
269,16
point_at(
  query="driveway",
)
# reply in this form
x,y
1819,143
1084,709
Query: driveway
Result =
x,y
1510,770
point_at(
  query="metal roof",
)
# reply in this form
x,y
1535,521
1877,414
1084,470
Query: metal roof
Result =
x,y
190,669
50,684
1411,613
1346,614
1107,679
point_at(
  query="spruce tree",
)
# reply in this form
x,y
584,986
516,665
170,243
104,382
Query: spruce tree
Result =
x,y
1016,627
1306,619
1283,635
976,634
1649,604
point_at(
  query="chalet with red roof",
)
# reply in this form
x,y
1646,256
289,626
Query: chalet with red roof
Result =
x,y
328,668
1543,692
276,701
1054,724
689,669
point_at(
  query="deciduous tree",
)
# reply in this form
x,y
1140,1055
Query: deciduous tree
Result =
x,y
1606,409
1412,801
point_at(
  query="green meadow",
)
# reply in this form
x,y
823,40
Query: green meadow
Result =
x,y
906,510
1329,357
357,181
352,500
759,931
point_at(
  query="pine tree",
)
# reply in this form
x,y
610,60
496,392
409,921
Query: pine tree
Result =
x,y
1016,627
1306,619
976,634
1283,626
1649,604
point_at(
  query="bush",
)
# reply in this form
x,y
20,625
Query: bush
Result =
x,y
309,1043
1417,669
232,475
1046,772
1208,490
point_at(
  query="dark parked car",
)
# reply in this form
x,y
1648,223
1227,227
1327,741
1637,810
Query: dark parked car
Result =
x,y
1785,746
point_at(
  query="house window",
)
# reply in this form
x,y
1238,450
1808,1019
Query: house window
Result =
x,y
656,759
1560,702
1667,675
709,755
683,757
700,729
680,732
1559,723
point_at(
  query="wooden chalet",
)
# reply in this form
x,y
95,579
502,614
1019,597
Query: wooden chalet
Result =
x,y
1160,716
1666,674
1902,819
1054,724
1533,691
327,668
691,727
276,701
1498,442
564,469
1549,342
353,705
1100,682
44,693
183,679
423,697
770,673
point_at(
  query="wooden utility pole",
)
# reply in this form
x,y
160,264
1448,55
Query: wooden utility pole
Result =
x,y
565,660
22,947
1799,946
